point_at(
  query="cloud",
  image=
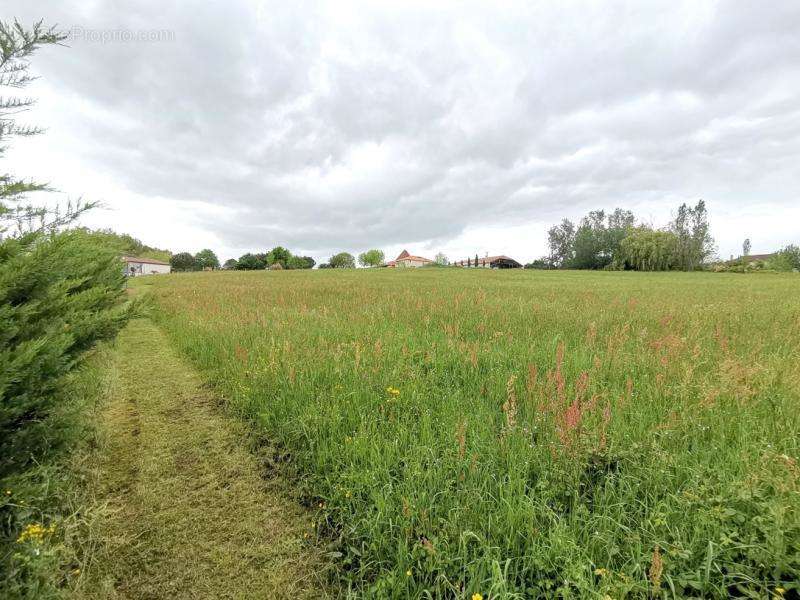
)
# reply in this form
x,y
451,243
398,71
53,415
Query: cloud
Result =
x,y
348,125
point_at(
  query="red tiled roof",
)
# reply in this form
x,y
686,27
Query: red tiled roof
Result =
x,y
404,255
412,257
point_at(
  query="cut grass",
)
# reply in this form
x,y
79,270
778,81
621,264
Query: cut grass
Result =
x,y
188,514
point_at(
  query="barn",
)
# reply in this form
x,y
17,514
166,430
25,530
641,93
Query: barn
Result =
x,y
134,266
490,262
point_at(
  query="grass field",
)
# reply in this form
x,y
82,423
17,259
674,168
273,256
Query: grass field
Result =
x,y
520,434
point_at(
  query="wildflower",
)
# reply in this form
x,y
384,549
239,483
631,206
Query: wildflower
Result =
x,y
35,532
8,492
510,405
477,596
780,591
408,573
656,568
392,391
601,572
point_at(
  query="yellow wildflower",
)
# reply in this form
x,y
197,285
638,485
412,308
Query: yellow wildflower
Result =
x,y
477,596
408,573
780,591
35,532
392,391
601,572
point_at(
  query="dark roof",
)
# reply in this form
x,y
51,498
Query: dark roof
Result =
x,y
489,260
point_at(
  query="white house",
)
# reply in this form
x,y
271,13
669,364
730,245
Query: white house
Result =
x,y
144,266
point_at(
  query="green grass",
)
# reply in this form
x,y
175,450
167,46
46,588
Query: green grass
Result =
x,y
42,489
565,434
186,513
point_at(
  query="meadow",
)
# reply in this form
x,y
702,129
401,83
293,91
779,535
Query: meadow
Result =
x,y
519,434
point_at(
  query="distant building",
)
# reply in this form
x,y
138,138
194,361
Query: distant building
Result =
x,y
490,262
754,257
405,259
135,267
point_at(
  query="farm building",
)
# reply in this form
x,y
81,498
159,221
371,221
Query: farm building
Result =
x,y
404,259
490,262
144,266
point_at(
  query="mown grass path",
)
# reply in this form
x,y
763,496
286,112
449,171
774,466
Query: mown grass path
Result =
x,y
188,512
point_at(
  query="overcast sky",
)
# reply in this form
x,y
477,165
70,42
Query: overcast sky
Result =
x,y
461,127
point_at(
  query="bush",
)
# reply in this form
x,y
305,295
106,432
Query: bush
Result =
x,y
50,495
540,263
787,259
59,295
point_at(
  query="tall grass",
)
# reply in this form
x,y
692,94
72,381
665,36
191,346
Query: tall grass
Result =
x,y
519,434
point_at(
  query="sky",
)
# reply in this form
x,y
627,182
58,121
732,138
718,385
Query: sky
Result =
x,y
459,127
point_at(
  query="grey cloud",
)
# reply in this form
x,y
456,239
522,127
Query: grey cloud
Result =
x,y
335,125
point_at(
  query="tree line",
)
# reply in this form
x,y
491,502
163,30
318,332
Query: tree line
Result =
x,y
615,241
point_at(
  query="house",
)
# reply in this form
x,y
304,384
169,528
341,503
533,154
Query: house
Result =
x,y
490,262
404,259
144,266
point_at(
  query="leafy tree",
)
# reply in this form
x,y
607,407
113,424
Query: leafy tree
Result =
x,y
183,261
560,238
441,259
278,254
746,247
371,258
206,259
251,262
343,260
476,261
589,243
324,266
787,259
309,262
645,249
540,263
598,238
230,264
300,262
695,244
